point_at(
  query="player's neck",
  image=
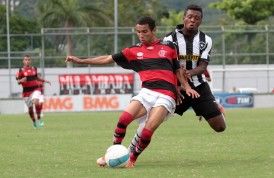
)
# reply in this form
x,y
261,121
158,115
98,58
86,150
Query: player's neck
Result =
x,y
189,33
152,41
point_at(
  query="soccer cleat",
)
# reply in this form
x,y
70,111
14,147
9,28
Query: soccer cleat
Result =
x,y
101,162
35,124
130,164
41,123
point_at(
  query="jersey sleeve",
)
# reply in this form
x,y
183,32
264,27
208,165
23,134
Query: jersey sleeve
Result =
x,y
19,74
36,72
176,63
167,38
205,55
121,59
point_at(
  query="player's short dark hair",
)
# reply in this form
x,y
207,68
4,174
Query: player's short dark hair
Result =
x,y
27,56
195,8
147,20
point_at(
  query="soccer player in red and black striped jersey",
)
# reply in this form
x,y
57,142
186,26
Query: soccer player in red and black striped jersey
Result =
x,y
156,63
32,88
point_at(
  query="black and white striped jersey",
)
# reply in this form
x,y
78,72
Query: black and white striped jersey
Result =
x,y
191,50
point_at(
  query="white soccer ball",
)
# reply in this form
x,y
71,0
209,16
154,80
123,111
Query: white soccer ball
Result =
x,y
117,156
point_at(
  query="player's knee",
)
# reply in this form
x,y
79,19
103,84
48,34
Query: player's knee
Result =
x,y
35,101
217,124
220,128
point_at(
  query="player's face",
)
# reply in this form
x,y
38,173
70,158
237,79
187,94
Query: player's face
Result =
x,y
192,20
144,33
26,61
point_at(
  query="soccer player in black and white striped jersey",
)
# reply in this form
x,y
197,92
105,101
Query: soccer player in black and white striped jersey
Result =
x,y
194,48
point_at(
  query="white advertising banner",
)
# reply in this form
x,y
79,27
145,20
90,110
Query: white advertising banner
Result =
x,y
73,103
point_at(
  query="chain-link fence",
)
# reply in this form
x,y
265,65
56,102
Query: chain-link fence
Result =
x,y
232,45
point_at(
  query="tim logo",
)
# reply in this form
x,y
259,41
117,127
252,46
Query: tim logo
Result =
x,y
239,100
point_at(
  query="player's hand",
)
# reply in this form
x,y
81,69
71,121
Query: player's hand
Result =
x,y
72,59
179,96
24,79
208,79
192,93
46,81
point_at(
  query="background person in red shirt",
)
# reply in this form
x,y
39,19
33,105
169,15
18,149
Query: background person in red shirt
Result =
x,y
32,88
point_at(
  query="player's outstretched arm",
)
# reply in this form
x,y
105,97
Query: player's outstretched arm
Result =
x,y
100,60
43,80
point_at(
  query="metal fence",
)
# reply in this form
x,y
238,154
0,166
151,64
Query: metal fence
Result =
x,y
232,45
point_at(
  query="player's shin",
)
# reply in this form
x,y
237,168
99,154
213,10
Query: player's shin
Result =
x,y
143,142
120,130
136,137
38,108
31,114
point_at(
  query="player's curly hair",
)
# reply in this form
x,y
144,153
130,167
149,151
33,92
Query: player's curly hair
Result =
x,y
194,7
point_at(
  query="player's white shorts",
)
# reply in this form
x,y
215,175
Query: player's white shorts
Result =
x,y
151,99
35,95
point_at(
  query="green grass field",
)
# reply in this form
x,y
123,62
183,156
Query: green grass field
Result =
x,y
70,143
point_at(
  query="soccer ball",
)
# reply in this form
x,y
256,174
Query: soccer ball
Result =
x,y
117,156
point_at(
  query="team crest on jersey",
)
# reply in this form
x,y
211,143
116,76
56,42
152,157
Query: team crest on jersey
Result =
x,y
203,45
140,55
162,53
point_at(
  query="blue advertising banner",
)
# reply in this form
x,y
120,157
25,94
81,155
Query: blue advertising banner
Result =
x,y
235,100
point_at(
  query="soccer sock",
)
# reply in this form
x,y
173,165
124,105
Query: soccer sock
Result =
x,y
120,130
142,144
135,139
38,109
31,114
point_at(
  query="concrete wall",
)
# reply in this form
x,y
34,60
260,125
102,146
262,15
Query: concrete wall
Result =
x,y
236,76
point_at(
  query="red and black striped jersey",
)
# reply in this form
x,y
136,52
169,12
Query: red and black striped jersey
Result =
x,y
156,65
31,84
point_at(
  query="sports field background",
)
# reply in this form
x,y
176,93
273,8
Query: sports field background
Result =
x,y
70,143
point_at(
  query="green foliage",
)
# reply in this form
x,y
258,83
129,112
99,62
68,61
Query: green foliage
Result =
x,y
70,143
18,25
248,11
70,13
173,19
130,11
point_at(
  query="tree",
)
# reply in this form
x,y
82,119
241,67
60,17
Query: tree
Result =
x,y
248,11
173,18
18,25
70,13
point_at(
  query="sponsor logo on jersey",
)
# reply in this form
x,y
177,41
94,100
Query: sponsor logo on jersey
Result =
x,y
140,55
189,57
202,45
162,53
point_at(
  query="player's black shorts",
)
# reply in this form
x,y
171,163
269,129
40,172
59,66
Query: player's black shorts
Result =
x,y
205,105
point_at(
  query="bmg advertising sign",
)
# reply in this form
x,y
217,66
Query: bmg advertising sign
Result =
x,y
235,100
